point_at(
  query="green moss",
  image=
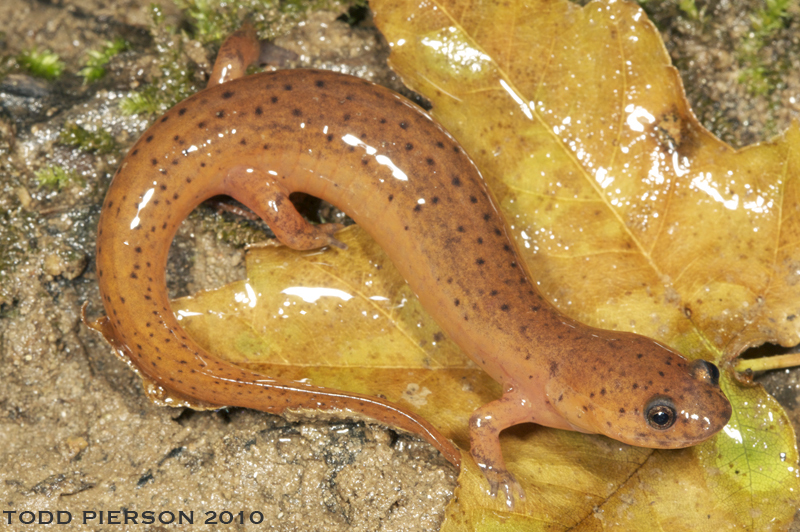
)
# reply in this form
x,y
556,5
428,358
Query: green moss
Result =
x,y
55,177
690,8
74,135
761,79
211,22
41,63
145,102
97,59
175,79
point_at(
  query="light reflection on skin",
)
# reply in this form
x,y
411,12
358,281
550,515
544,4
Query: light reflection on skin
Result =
x,y
380,159
146,198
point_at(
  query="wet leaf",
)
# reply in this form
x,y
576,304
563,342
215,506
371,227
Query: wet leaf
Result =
x,y
341,319
630,215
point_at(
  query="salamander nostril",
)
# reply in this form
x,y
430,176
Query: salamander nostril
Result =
x,y
703,369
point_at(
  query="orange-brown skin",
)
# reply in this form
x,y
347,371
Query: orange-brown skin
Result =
x,y
411,186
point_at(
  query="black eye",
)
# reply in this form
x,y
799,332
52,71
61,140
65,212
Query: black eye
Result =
x,y
660,413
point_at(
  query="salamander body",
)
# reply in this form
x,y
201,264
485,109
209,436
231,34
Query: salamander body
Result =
x,y
406,181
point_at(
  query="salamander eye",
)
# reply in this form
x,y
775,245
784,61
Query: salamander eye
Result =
x,y
660,413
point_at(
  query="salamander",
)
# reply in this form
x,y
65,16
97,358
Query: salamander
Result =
x,y
412,187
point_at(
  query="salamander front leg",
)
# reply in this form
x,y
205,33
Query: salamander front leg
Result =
x,y
485,426
271,203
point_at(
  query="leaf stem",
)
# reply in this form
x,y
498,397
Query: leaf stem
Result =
x,y
767,363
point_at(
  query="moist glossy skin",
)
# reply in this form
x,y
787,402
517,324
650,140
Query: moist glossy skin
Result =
x,y
410,185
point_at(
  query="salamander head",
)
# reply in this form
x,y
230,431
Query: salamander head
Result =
x,y
639,392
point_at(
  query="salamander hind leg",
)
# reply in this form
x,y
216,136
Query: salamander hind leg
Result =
x,y
271,203
485,426
239,51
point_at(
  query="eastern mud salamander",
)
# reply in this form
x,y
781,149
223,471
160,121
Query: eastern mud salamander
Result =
x,y
408,183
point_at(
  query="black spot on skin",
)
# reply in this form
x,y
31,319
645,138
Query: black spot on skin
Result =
x,y
493,293
480,262
409,147
274,99
227,94
297,112
164,119
403,125
134,276
203,165
243,142
319,83
201,125
457,302
182,112
346,117
287,87
391,197
430,161
603,391
149,138
487,217
259,111
456,182
449,280
330,138
154,162
639,355
660,373
138,249
417,208
220,114
175,162
504,308
480,240
473,199
163,187
435,200
440,144
460,229
635,386
621,410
